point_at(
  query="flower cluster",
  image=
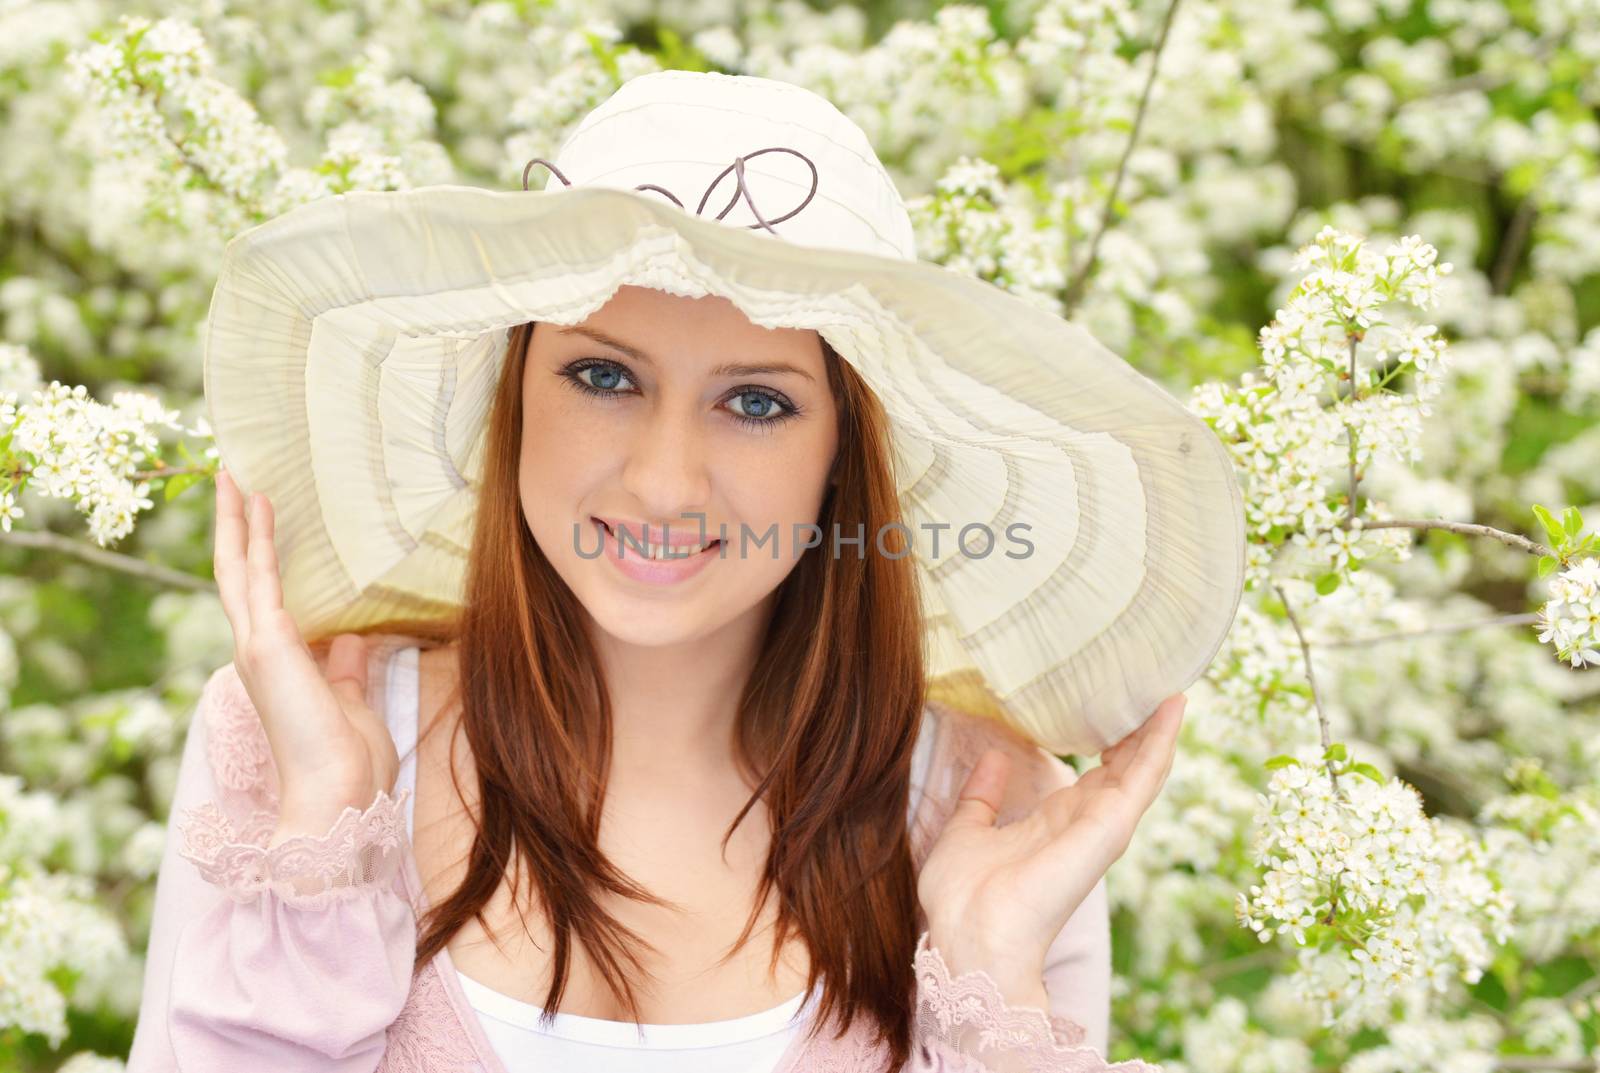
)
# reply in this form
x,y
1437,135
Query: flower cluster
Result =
x,y
1541,839
160,103
154,86
66,445
974,224
49,922
1570,619
1385,902
1295,426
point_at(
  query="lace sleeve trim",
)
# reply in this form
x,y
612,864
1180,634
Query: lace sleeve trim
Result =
x,y
969,1015
360,852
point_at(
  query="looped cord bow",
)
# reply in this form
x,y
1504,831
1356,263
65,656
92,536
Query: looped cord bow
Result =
x,y
737,167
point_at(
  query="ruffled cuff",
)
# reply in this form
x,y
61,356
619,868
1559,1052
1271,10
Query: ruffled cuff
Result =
x,y
360,852
967,1017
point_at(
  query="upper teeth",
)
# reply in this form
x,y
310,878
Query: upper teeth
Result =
x,y
664,551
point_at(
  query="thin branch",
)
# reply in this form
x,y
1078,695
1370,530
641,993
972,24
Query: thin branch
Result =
x,y
1455,627
1316,700
1522,1062
1510,251
1080,279
116,560
1539,51
1583,990
168,471
1521,543
1237,964
1350,434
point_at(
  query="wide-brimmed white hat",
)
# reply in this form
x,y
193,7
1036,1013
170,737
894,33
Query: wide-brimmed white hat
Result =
x,y
353,345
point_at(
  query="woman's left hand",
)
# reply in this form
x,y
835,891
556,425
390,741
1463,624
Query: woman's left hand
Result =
x,y
997,897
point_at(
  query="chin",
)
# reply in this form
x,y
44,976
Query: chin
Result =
x,y
650,627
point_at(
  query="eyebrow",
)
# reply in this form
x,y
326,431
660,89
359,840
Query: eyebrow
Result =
x,y
725,369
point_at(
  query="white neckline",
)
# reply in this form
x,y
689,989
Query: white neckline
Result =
x,y
581,1029
404,726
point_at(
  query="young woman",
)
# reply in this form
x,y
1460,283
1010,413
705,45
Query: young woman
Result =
x,y
662,786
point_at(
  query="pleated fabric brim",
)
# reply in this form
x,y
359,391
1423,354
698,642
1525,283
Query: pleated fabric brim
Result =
x,y
353,345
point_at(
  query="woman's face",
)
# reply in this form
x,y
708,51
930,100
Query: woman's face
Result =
x,y
657,407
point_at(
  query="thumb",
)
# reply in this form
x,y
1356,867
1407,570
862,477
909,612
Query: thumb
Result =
x,y
347,668
978,803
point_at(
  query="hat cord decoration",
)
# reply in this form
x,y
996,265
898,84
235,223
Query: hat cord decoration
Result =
x,y
737,167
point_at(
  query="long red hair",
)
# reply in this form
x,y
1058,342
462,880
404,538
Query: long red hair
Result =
x,y
827,723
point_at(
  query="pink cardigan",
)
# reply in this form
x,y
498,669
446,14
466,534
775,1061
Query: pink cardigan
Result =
x,y
256,963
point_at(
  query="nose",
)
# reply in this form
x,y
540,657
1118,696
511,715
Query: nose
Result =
x,y
665,467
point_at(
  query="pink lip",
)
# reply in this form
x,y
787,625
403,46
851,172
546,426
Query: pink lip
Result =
x,y
676,534
634,564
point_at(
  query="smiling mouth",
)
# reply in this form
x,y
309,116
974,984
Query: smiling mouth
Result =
x,y
678,556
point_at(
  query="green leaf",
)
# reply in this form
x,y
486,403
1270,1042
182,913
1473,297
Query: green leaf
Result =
x,y
1281,760
1572,521
339,77
601,50
176,484
1335,751
1369,771
1327,583
1547,563
1551,526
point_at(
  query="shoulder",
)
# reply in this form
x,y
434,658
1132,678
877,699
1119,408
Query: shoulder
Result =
x,y
437,669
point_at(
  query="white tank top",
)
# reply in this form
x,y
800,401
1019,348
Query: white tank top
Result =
x,y
737,1045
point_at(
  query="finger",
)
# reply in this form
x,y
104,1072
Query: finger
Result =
x,y
984,790
347,669
1115,760
346,672
228,556
1148,768
1172,748
266,594
1128,745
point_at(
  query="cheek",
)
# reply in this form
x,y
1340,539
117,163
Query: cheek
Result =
x,y
554,454
784,488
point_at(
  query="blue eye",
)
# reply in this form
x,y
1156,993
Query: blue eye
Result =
x,y
607,376
761,408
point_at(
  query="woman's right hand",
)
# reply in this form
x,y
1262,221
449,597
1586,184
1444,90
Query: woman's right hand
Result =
x,y
331,749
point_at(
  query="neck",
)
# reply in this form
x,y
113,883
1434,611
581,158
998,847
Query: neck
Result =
x,y
675,707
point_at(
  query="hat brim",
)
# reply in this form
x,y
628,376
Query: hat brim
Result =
x,y
353,343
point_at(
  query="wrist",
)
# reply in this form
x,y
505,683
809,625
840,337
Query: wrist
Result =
x,y
313,818
1020,980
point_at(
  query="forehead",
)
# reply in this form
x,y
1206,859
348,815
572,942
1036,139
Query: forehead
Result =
x,y
646,324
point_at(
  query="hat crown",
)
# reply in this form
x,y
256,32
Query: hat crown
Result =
x,y
682,130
